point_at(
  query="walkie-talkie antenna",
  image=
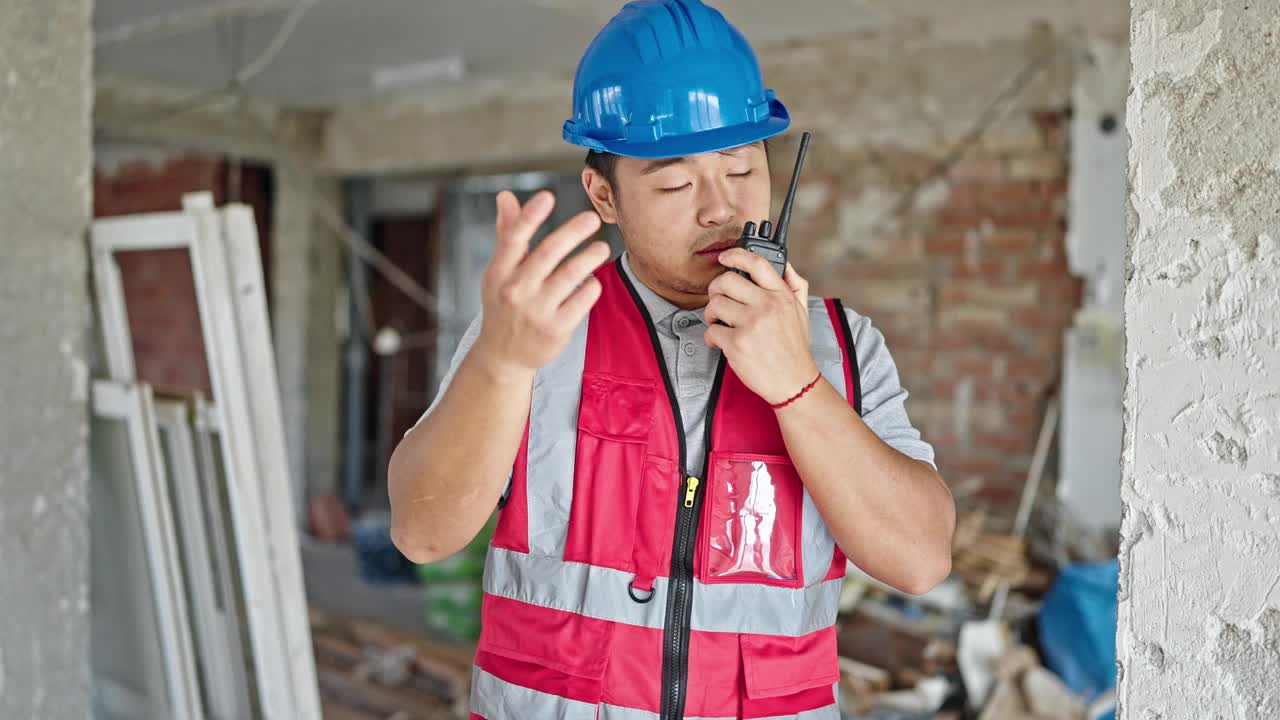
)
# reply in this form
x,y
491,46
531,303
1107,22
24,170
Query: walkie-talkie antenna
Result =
x,y
784,219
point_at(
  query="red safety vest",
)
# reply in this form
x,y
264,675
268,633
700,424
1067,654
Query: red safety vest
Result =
x,y
618,586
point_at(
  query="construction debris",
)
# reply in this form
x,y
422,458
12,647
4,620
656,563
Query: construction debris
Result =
x,y
1024,689
368,671
911,657
985,560
1048,697
982,645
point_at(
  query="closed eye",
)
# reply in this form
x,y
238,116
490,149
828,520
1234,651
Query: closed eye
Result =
x,y
740,175
675,189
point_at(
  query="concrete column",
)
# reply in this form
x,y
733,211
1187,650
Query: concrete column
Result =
x,y
324,347
1199,633
293,238
305,267
46,93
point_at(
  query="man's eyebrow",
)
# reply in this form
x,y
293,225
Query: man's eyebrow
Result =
x,y
657,165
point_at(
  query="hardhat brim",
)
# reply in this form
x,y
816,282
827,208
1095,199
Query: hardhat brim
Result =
x,y
694,143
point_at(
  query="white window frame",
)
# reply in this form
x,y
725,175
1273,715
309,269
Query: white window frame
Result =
x,y
220,652
273,593
134,405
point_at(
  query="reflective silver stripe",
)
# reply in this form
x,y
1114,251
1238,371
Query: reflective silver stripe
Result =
x,y
617,712
553,441
496,699
600,592
765,610
597,592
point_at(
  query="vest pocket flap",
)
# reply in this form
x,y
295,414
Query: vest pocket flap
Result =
x,y
616,408
563,641
777,665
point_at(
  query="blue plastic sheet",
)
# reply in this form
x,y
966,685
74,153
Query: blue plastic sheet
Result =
x,y
1078,627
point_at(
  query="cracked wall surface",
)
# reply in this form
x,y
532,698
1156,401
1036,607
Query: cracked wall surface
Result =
x,y
1199,621
45,97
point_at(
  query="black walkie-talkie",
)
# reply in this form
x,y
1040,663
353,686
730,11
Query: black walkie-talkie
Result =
x,y
774,249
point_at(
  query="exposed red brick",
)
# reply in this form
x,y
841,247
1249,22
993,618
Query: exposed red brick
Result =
x,y
1014,192
1012,241
981,365
946,242
1023,367
1010,441
1024,215
990,268
977,167
999,492
1052,125
999,310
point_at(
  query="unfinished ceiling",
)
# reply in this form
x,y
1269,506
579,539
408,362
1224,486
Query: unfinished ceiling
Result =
x,y
343,51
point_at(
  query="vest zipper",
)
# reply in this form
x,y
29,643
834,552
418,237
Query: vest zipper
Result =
x,y
675,654
675,630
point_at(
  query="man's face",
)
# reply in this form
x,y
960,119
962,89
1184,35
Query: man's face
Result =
x,y
677,215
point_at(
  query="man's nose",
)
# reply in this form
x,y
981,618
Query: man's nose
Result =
x,y
715,207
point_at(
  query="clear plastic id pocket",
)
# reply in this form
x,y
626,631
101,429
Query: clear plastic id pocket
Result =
x,y
752,520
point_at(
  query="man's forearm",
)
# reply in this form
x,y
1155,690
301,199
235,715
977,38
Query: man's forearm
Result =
x,y
447,474
892,515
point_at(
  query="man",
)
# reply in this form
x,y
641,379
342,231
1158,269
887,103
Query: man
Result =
x,y
683,457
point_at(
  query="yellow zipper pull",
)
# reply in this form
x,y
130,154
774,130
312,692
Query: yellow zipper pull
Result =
x,y
689,493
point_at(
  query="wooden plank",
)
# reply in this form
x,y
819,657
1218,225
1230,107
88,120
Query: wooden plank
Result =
x,y
450,663
344,688
334,711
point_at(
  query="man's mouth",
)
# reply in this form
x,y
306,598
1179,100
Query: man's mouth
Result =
x,y
717,248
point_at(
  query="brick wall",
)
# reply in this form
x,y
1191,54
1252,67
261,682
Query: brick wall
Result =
x,y
159,292
969,285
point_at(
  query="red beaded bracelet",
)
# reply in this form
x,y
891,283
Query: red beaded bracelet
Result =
x,y
798,395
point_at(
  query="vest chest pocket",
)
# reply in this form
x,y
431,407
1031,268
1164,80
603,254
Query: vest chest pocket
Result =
x,y
752,521
613,434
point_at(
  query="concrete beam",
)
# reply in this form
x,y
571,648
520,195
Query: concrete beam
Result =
x,y
920,83
212,121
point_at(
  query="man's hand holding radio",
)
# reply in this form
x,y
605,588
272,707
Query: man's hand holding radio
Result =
x,y
765,335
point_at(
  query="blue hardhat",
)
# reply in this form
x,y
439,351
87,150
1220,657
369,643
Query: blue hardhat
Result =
x,y
667,78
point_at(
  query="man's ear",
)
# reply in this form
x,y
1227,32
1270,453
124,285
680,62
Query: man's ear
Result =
x,y
601,194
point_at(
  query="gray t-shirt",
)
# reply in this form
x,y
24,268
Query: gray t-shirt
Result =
x,y
691,366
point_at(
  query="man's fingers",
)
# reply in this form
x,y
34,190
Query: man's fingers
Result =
x,y
532,215
559,243
514,228
798,285
717,336
761,272
735,286
508,209
576,307
573,271
726,309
